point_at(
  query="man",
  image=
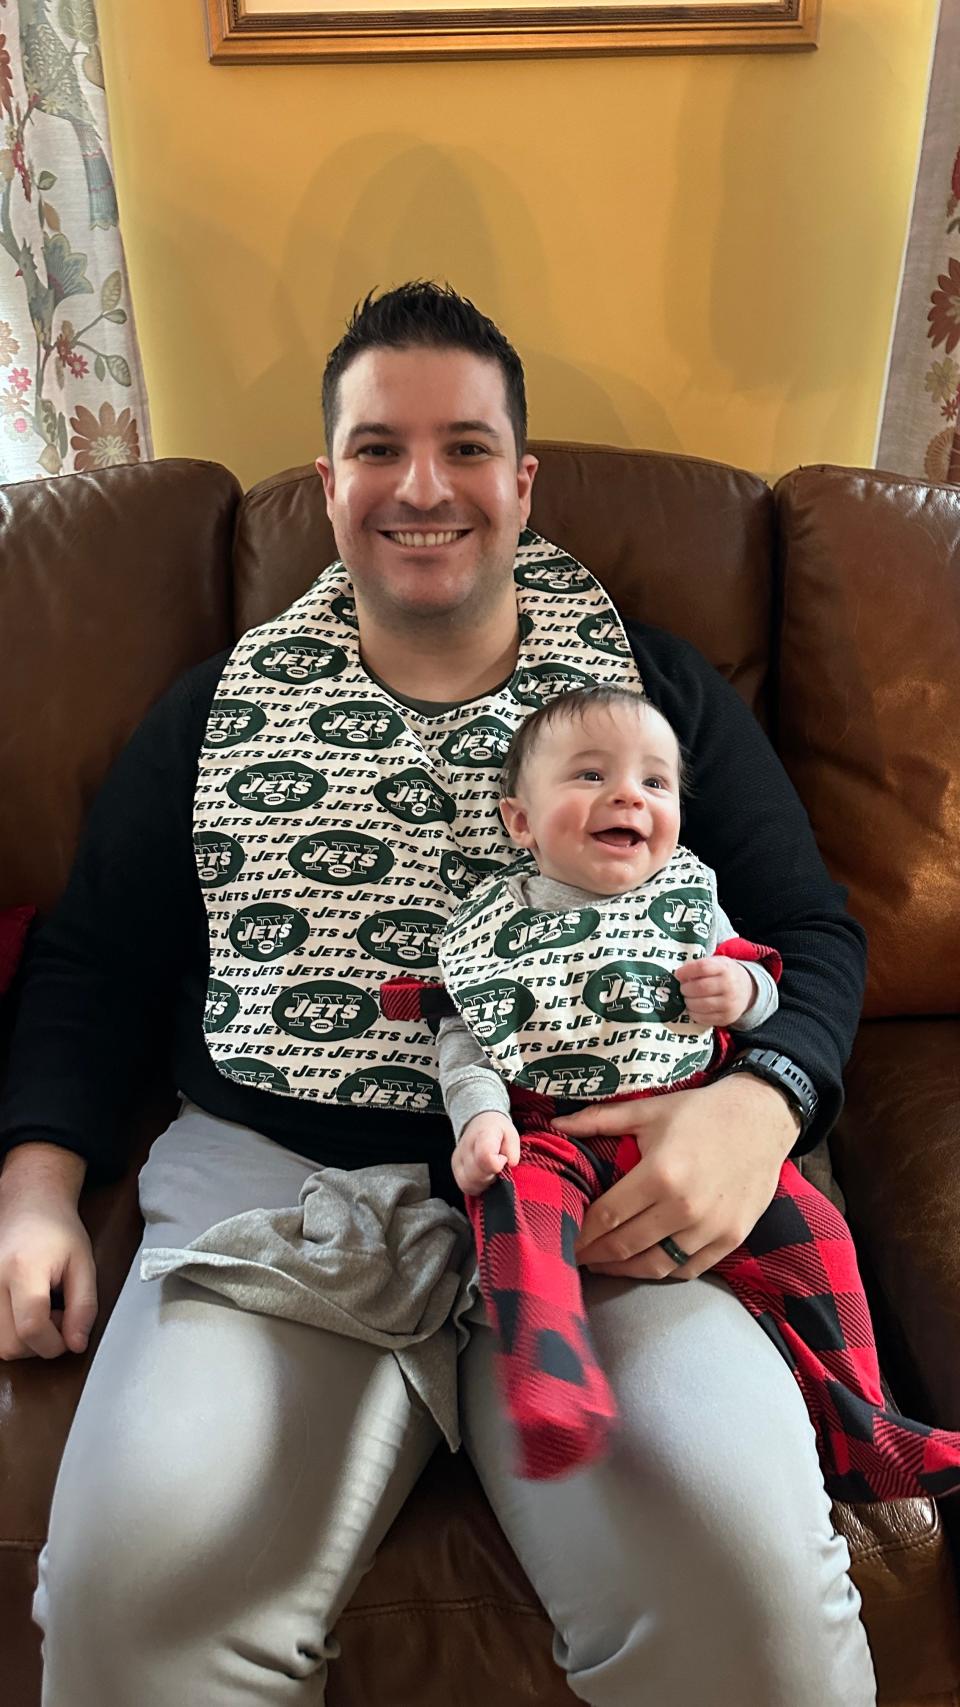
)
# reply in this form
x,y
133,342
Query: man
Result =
x,y
229,1474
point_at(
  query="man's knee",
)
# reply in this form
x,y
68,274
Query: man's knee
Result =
x,y
702,1607
126,1544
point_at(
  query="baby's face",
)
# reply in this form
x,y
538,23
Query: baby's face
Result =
x,y
598,799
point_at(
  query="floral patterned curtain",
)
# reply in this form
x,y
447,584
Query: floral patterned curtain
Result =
x,y
72,394
919,431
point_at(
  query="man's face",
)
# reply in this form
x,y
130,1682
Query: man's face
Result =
x,y
423,488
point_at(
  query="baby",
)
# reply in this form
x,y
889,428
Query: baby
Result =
x,y
591,786
603,965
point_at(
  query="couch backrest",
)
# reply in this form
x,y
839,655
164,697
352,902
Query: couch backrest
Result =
x,y
111,585
869,691
676,541
869,724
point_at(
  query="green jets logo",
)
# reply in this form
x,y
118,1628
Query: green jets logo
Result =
x,y
483,742
689,1065
413,796
301,658
231,721
341,856
221,1007
532,929
605,634
259,1075
267,930
633,992
391,1087
685,914
540,683
570,1076
219,858
324,1012
407,937
357,723
460,873
559,575
277,785
345,608
496,1009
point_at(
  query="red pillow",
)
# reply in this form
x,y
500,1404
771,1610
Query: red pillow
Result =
x,y
14,924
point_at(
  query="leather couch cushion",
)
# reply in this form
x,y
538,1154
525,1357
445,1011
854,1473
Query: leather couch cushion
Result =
x,y
111,585
869,723
896,1150
677,542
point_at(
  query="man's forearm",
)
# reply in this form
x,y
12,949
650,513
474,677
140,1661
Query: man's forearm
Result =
x,y
45,1171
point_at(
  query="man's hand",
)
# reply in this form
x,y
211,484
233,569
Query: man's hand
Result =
x,y
487,1143
43,1247
709,1163
716,990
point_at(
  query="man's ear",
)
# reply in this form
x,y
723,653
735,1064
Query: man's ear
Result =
x,y
325,471
526,474
516,822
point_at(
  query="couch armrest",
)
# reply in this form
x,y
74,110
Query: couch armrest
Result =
x,y
37,1398
896,1151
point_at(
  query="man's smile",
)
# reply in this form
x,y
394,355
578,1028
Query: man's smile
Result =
x,y
417,539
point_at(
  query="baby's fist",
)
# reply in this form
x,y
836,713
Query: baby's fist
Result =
x,y
487,1143
717,990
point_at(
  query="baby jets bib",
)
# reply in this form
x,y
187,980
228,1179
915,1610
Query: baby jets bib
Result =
x,y
584,1001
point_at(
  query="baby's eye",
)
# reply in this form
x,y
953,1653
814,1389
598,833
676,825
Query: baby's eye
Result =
x,y
654,782
590,776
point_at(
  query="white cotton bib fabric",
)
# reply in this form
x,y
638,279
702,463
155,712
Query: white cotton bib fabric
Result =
x,y
336,830
583,1001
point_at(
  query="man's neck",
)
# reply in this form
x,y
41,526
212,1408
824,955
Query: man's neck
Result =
x,y
439,666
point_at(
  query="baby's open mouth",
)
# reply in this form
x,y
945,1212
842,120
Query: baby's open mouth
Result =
x,y
618,838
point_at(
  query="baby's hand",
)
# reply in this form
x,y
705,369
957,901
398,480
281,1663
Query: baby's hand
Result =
x,y
716,990
487,1143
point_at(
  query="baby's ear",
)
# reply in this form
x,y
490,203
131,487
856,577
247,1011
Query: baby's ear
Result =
x,y
515,821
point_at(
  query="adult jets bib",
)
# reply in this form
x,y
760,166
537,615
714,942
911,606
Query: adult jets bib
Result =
x,y
336,830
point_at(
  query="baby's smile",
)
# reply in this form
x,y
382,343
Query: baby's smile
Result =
x,y
618,836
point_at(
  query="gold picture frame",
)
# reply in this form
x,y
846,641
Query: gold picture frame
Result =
x,y
264,32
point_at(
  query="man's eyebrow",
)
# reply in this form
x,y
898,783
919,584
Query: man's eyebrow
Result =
x,y
380,430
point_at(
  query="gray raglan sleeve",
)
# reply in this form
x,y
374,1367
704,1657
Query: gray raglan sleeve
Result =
x,y
766,1000
468,1082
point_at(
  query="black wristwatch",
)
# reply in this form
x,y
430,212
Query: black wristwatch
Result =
x,y
784,1074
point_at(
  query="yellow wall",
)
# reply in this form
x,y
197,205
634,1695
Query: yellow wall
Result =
x,y
694,253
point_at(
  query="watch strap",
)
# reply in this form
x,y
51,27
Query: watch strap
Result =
x,y
784,1074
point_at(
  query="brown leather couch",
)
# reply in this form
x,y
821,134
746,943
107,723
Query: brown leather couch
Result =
x,y
833,604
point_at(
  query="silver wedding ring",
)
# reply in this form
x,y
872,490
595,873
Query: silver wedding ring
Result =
x,y
673,1251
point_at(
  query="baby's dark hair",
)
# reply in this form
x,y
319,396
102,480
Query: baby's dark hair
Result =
x,y
567,707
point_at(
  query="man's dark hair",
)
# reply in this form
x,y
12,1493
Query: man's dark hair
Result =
x,y
434,317
566,708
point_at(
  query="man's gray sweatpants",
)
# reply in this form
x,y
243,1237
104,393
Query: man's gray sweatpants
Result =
x,y
229,1476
